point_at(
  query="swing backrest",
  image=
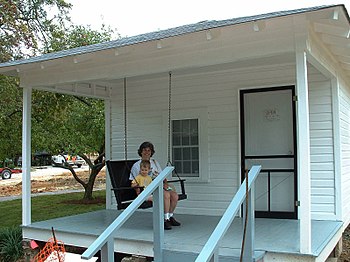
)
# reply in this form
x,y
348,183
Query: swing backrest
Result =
x,y
119,172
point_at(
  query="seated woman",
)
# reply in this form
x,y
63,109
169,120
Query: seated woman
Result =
x,y
146,151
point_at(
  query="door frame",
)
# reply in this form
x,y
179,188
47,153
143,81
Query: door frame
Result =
x,y
272,214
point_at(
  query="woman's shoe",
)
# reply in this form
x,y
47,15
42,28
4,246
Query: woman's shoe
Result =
x,y
174,223
167,224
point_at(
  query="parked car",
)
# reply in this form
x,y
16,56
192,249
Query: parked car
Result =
x,y
71,160
41,158
78,161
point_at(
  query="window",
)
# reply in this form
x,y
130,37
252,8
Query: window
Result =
x,y
185,147
189,143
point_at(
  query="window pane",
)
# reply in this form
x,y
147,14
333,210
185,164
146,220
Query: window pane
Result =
x,y
194,153
176,126
194,126
178,167
177,154
194,140
186,126
176,139
185,140
187,167
187,153
195,167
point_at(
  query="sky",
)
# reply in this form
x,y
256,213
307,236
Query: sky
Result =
x,y
133,17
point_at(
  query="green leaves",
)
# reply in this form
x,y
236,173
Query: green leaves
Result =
x,y
59,122
25,26
11,244
10,117
69,125
78,35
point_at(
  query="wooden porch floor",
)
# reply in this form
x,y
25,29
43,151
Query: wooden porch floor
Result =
x,y
136,236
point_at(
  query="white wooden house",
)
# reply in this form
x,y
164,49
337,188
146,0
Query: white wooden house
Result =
x,y
271,89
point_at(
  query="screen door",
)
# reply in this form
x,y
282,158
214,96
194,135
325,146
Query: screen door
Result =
x,y
268,139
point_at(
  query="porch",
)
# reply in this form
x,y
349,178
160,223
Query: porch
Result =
x,y
136,235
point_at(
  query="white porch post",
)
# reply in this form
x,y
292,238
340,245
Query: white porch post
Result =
x,y
108,150
337,148
158,224
303,138
26,156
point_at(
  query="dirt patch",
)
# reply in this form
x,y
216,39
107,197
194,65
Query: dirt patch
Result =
x,y
52,183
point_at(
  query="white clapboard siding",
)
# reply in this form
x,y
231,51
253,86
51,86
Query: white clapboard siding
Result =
x,y
321,149
322,183
344,107
217,92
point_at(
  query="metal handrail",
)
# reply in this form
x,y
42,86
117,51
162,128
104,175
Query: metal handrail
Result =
x,y
211,247
105,240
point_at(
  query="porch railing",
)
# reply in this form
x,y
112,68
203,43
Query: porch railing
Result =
x,y
211,248
105,242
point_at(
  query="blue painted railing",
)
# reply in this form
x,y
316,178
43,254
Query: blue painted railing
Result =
x,y
105,242
211,248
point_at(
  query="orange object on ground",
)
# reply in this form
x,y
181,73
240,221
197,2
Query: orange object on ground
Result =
x,y
53,251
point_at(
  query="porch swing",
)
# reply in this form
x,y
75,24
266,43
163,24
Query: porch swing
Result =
x,y
119,170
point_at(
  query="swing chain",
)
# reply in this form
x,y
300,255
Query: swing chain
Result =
x,y
125,123
169,120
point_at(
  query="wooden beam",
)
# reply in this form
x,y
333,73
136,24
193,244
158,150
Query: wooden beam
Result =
x,y
331,29
344,59
336,41
340,51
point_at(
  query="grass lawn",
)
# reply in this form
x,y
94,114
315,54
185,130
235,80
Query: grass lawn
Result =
x,y
49,206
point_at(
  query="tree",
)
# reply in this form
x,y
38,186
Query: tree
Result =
x,y
83,131
79,35
82,128
10,117
26,27
58,121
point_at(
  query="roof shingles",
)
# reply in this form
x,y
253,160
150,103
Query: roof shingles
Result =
x,y
157,35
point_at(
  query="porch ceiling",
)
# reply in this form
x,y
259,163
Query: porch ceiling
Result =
x,y
333,31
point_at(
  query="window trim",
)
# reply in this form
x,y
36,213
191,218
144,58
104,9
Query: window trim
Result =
x,y
202,115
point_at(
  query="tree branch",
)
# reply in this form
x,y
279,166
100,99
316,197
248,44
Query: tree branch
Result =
x,y
70,168
83,101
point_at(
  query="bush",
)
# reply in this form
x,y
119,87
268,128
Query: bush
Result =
x,y
12,166
11,244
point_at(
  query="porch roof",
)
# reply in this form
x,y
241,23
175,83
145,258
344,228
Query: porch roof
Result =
x,y
7,67
136,236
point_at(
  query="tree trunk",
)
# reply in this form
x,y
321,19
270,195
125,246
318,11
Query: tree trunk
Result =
x,y
89,186
88,191
94,171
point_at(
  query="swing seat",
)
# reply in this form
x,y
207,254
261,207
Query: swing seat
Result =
x,y
119,172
